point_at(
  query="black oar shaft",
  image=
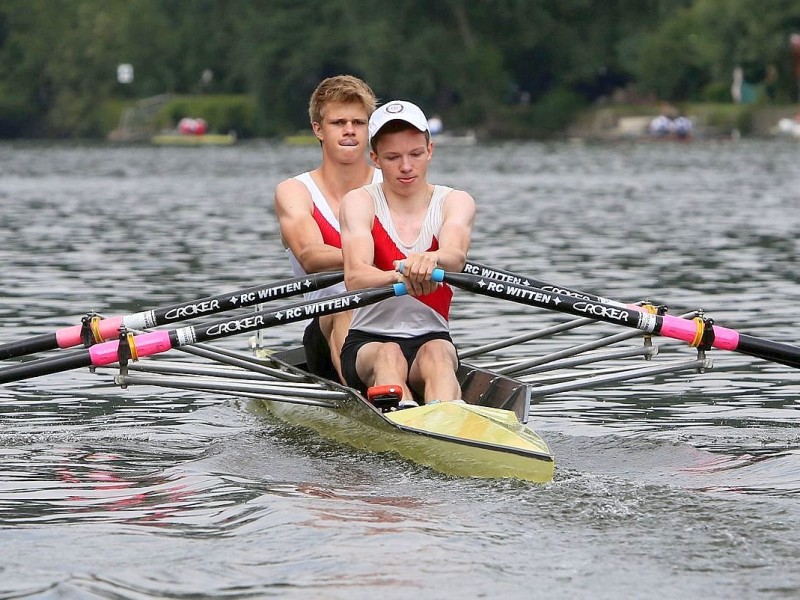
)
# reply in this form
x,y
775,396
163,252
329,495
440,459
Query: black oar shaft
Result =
x,y
778,352
574,305
31,345
155,342
288,314
106,329
244,298
481,270
690,331
46,366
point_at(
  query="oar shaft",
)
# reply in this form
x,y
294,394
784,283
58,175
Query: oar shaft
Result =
x,y
481,270
108,329
46,366
533,296
31,345
155,342
161,341
240,299
778,352
690,331
148,344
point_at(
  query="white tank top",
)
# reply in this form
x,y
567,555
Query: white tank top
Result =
x,y
404,316
325,210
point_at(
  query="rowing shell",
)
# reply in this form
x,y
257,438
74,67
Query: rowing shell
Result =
x,y
484,437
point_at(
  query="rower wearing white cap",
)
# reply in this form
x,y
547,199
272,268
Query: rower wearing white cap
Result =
x,y
408,224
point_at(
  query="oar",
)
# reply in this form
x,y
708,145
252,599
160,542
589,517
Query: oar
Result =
x,y
147,344
698,332
106,329
481,270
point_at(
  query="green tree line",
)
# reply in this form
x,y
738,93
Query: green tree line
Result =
x,y
489,63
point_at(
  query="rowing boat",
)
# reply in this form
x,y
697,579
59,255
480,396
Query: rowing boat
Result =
x,y
485,437
301,139
181,139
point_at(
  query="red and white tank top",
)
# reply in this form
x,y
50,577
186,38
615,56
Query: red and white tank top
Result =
x,y
328,226
405,316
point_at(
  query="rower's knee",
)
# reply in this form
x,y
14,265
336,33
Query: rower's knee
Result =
x,y
438,353
390,353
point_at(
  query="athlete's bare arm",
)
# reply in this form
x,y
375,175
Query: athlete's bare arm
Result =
x,y
355,218
300,232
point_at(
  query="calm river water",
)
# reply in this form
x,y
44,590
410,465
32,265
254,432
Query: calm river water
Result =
x,y
686,487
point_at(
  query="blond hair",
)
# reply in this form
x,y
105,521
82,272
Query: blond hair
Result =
x,y
341,88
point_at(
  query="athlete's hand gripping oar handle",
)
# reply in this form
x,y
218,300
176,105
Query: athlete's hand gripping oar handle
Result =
x,y
155,342
107,329
695,332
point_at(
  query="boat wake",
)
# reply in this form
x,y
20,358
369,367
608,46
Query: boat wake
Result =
x,y
769,470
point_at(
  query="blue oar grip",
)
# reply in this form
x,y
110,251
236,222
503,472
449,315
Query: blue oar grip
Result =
x,y
399,289
437,275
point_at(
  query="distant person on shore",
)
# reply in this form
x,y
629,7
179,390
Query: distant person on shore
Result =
x,y
670,124
660,126
435,125
682,127
307,205
400,230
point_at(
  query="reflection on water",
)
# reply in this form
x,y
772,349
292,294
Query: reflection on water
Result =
x,y
687,482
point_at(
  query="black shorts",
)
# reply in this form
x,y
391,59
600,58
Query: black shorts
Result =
x,y
355,339
318,353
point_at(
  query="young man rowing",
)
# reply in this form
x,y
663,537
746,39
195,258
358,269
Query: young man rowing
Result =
x,y
407,223
307,206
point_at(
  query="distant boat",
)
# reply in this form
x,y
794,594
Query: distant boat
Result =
x,y
184,139
193,132
301,139
453,139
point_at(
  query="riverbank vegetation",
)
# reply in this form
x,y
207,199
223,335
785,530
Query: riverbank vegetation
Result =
x,y
509,68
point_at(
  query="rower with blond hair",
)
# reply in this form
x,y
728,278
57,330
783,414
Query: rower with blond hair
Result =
x,y
307,205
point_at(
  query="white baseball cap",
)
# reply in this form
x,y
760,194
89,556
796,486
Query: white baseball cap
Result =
x,y
397,110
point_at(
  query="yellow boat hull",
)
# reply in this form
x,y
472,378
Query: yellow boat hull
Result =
x,y
487,442
457,439
301,139
484,437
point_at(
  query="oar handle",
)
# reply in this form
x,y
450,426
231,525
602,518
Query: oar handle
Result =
x,y
437,275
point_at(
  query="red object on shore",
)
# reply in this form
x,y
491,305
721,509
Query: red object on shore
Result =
x,y
191,126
